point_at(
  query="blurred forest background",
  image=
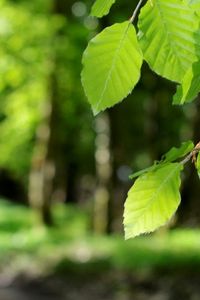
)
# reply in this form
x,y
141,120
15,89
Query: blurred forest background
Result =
x,y
64,174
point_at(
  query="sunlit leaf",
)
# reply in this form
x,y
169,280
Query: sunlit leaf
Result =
x,y
190,86
172,155
175,153
169,37
154,167
141,172
111,66
101,8
152,200
198,164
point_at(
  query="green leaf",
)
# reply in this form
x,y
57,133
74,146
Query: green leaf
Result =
x,y
111,66
198,164
169,37
155,166
172,155
190,86
195,4
101,8
175,153
152,200
141,172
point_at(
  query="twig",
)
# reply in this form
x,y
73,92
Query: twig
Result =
x,y
136,11
192,154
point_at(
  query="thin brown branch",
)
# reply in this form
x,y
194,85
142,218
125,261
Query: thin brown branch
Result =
x,y
192,154
136,11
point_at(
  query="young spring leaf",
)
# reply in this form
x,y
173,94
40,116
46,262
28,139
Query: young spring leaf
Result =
x,y
175,153
148,169
152,200
101,8
198,164
111,66
190,86
172,155
169,37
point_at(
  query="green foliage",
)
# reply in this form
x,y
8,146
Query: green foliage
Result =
x,y
111,52
190,86
26,245
114,57
175,153
27,59
169,38
172,155
101,7
198,164
155,166
154,197
23,81
21,230
152,200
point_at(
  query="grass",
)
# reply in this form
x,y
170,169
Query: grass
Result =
x,y
26,245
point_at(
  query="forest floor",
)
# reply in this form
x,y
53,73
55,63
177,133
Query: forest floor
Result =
x,y
110,285
68,263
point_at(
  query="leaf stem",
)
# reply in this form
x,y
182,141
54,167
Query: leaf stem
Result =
x,y
192,154
136,11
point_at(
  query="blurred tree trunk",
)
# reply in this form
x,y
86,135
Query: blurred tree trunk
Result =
x,y
103,174
48,163
44,161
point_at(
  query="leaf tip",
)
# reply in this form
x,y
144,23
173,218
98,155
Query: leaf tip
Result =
x,y
95,111
178,98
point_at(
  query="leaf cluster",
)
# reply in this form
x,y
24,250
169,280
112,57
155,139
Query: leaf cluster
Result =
x,y
167,37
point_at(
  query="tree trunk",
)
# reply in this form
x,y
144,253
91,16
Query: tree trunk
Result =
x,y
47,164
43,162
103,174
